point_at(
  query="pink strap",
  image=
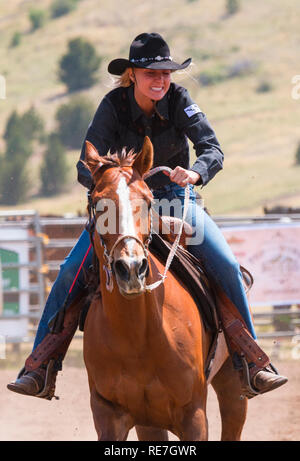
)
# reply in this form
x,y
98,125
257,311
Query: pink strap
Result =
x,y
80,267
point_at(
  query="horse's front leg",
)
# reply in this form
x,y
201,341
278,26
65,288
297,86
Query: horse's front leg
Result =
x,y
111,422
194,425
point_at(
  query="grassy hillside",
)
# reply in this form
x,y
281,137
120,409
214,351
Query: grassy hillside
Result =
x,y
259,131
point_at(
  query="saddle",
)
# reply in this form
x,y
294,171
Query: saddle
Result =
x,y
188,268
189,272
168,227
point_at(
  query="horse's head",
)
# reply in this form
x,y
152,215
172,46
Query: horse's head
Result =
x,y
122,202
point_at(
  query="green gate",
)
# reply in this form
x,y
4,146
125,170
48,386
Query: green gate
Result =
x,y
10,282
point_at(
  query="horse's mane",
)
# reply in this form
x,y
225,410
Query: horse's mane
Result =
x,y
120,158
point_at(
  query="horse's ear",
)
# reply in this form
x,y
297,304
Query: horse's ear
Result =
x,y
92,158
144,160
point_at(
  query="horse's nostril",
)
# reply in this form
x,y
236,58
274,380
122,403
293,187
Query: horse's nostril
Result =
x,y
137,269
143,267
122,270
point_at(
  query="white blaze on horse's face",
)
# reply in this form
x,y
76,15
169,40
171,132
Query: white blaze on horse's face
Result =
x,y
129,258
126,220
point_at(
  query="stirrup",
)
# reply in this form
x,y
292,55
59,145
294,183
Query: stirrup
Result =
x,y
247,388
49,388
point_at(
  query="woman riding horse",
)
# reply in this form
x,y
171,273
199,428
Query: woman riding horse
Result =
x,y
147,103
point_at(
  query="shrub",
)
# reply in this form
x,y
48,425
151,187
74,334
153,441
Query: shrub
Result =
x,y
212,76
78,66
62,7
14,183
18,143
218,74
37,18
232,6
297,155
241,67
33,124
19,133
11,123
264,87
73,119
53,171
16,39
21,130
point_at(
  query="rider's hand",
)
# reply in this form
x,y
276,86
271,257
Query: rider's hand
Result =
x,y
182,177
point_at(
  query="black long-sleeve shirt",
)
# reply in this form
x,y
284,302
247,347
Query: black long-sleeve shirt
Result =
x,y
119,122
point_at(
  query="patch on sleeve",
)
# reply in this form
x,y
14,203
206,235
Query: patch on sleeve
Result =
x,y
192,110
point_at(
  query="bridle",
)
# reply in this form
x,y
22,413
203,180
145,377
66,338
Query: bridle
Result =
x,y
108,255
108,267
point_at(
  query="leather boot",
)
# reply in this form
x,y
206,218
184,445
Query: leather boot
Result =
x,y
267,380
37,383
38,377
29,383
257,374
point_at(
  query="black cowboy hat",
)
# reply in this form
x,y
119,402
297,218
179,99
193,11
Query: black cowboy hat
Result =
x,y
147,51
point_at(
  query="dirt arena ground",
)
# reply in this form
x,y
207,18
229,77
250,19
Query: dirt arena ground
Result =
x,y
271,417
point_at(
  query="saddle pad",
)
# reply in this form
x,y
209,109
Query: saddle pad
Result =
x,y
188,269
221,354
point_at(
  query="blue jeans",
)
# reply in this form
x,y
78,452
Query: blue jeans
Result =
x,y
212,250
63,282
210,247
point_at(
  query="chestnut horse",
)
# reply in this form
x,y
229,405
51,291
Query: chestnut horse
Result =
x,y
145,351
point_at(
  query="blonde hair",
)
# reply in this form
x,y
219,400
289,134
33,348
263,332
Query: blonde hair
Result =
x,y
124,80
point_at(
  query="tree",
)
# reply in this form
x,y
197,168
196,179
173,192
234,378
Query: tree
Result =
x,y
13,180
54,167
24,128
33,124
232,6
78,66
298,155
16,39
19,134
10,125
73,119
62,7
37,18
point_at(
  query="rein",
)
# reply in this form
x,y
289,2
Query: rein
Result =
x,y
174,247
108,267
